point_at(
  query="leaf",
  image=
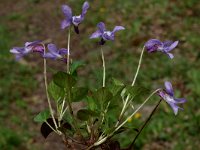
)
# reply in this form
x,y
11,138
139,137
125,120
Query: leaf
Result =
x,y
136,91
91,103
116,100
117,82
116,86
116,89
55,91
42,116
45,129
64,80
78,93
102,96
85,114
75,65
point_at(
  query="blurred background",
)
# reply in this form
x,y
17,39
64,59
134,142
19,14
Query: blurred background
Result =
x,y
22,93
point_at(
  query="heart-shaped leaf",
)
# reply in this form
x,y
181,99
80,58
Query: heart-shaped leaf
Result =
x,y
92,104
64,80
85,114
46,129
136,91
75,65
117,82
78,93
42,116
102,96
55,91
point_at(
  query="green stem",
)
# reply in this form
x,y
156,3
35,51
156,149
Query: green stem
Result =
x,y
127,98
104,68
146,122
47,94
68,53
69,92
138,68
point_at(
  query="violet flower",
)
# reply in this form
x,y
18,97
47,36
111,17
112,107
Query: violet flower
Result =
x,y
55,53
154,45
168,96
104,34
35,46
75,20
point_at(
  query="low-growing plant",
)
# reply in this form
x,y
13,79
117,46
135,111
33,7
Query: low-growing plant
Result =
x,y
108,108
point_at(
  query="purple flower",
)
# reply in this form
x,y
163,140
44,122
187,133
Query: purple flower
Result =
x,y
29,47
75,20
104,34
168,96
55,53
154,45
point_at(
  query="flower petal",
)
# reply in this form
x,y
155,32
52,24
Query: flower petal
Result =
x,y
180,100
63,51
65,23
170,55
67,11
108,36
49,55
174,107
18,56
172,46
34,43
152,45
169,88
52,48
76,20
17,50
38,48
118,28
85,8
162,94
101,26
96,34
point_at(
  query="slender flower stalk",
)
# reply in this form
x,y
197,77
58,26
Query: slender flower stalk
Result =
x,y
60,112
68,48
133,83
68,71
104,68
144,125
138,68
47,94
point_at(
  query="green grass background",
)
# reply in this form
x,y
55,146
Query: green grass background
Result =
x,y
20,82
